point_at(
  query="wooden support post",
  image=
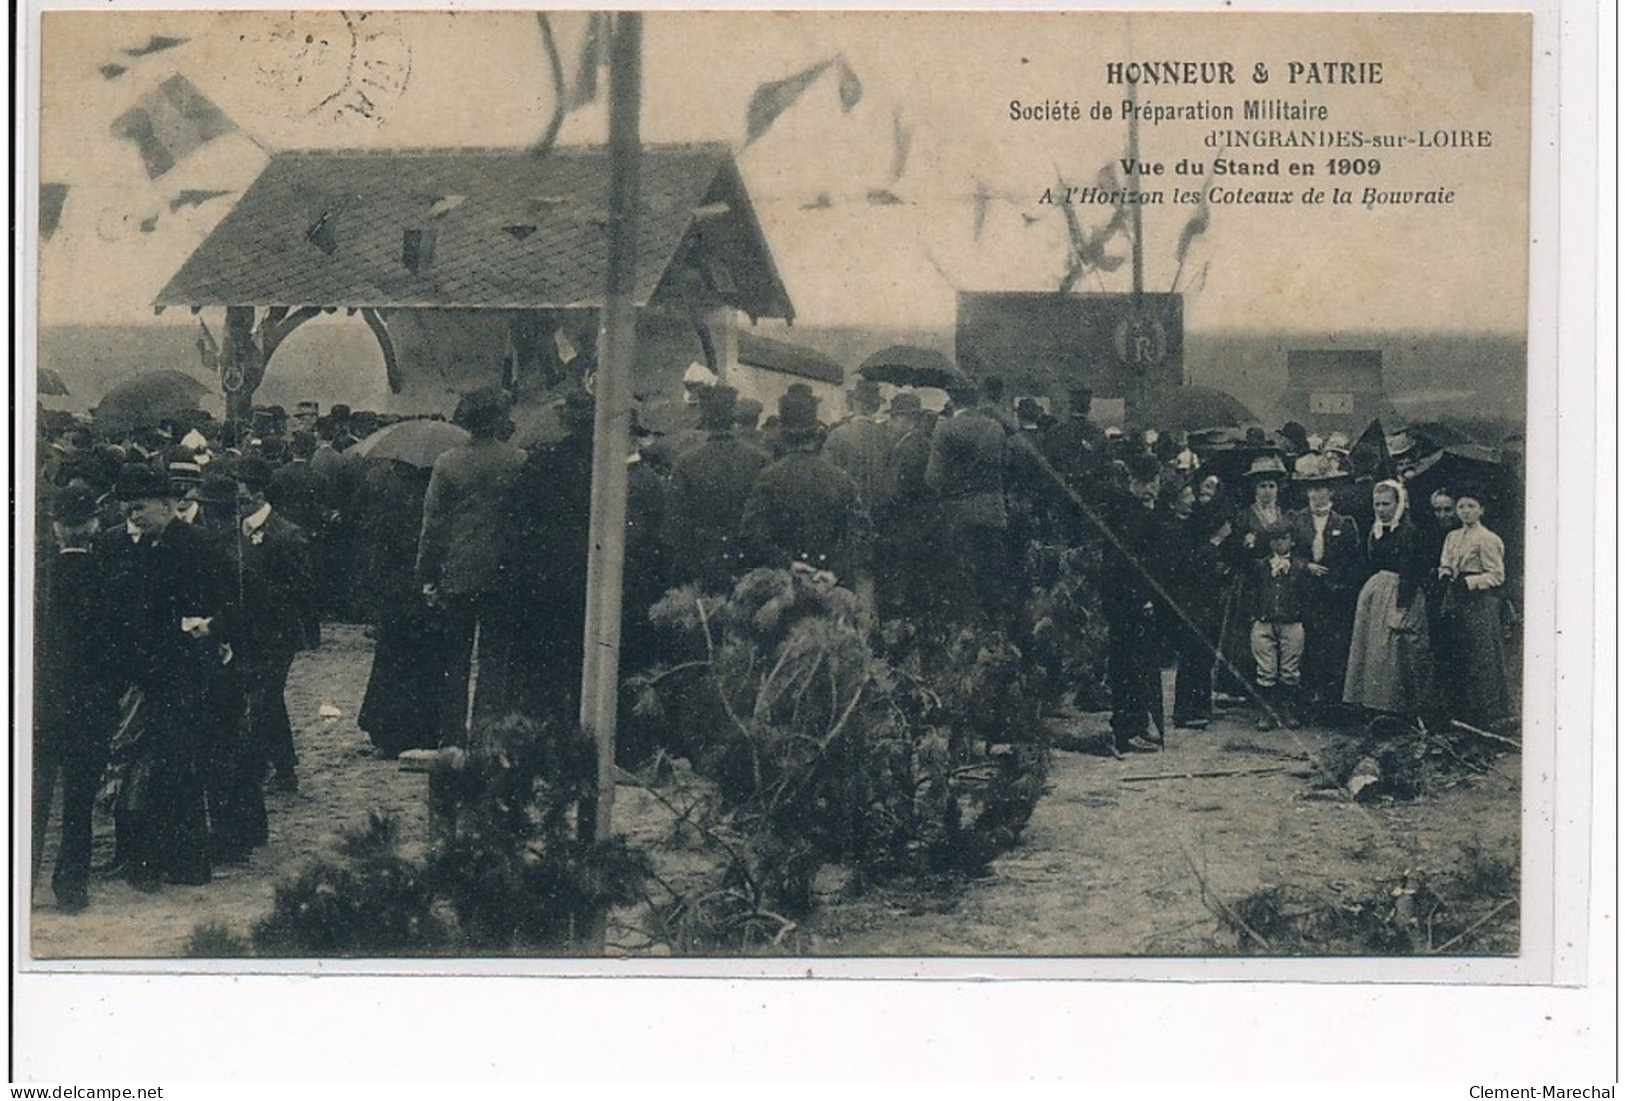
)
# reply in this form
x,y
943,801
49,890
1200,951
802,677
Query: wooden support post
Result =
x,y
606,549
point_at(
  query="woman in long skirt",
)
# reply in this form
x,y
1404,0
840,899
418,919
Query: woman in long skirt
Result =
x,y
1389,666
1472,572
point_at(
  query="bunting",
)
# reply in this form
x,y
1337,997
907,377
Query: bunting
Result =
x,y
851,88
772,99
51,198
170,123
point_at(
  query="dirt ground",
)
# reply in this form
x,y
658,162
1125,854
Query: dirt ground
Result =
x,y
1110,865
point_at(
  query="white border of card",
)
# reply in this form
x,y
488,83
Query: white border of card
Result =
x,y
1319,1018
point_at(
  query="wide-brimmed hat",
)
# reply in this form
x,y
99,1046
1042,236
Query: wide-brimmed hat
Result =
x,y
1309,469
1399,443
1266,466
140,482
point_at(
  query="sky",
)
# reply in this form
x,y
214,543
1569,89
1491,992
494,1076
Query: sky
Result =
x,y
288,80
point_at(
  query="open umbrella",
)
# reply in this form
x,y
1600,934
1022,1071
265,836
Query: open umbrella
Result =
x,y
910,365
1190,409
147,400
51,384
416,442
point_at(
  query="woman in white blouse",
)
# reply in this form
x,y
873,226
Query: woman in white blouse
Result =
x,y
1472,566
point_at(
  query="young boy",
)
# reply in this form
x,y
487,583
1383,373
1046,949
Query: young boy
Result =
x,y
1277,635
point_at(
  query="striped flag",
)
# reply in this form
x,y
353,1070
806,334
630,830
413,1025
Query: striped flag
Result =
x,y
170,123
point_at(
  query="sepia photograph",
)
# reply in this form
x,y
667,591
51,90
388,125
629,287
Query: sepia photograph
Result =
x,y
830,487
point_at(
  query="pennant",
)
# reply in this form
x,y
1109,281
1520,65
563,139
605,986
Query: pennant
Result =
x,y
881,196
208,349
157,43
169,123
821,201
112,71
594,56
979,201
772,99
51,198
902,137
193,197
149,223
1193,229
851,87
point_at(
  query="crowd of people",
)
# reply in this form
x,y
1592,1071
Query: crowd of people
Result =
x,y
182,566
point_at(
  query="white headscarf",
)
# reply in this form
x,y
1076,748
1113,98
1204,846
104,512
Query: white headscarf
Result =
x,y
1378,528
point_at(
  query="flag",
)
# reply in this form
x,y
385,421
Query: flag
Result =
x,y
851,86
772,99
51,198
169,123
564,346
594,56
112,71
1193,229
979,200
881,196
901,137
155,44
193,197
207,349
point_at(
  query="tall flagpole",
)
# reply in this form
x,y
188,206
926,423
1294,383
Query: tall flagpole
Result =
x,y
606,550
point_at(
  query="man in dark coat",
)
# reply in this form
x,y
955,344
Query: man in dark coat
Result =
x,y
969,458
805,509
75,691
1075,446
907,531
1332,547
862,447
1132,566
166,587
278,588
301,494
234,772
706,497
548,529
460,564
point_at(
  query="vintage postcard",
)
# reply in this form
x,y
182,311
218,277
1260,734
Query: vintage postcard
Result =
x,y
751,492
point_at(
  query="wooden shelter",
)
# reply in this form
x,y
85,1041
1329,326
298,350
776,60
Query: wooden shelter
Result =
x,y
506,240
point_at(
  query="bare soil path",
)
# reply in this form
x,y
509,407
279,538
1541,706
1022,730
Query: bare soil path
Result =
x,y
1104,869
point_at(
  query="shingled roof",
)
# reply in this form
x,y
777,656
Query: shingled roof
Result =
x,y
477,228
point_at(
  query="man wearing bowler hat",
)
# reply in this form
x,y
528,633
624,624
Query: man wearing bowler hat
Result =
x,y
706,498
277,590
166,588
75,694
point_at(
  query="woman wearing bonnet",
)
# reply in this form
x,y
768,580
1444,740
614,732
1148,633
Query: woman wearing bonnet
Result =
x,y
1389,665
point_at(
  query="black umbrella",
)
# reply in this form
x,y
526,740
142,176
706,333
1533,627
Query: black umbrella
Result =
x,y
51,384
1190,409
146,400
911,365
1466,466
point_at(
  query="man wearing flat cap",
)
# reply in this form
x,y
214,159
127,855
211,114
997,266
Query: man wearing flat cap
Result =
x,y
460,564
